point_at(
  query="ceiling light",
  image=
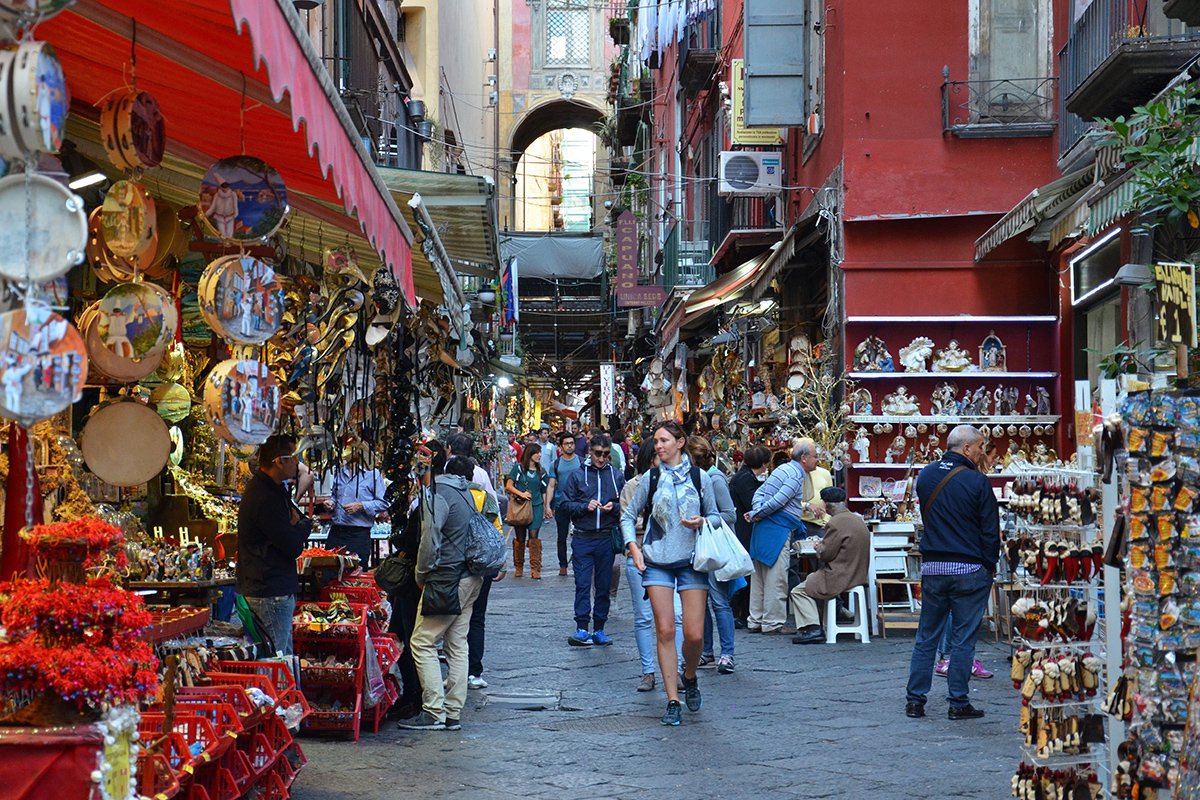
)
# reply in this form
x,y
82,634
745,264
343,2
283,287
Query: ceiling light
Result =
x,y
554,368
87,179
504,381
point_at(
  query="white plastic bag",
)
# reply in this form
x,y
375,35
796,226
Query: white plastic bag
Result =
x,y
718,551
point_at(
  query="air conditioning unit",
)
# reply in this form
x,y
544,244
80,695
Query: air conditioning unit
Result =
x,y
744,172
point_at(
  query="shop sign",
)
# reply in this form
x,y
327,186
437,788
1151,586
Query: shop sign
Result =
x,y
608,389
1176,297
629,294
767,137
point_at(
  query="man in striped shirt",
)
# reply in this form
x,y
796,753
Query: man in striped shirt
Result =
x,y
960,545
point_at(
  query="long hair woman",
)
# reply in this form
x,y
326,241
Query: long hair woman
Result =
x,y
528,481
705,457
679,498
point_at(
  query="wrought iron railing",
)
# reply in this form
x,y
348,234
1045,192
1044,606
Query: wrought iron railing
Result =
x,y
1003,102
685,261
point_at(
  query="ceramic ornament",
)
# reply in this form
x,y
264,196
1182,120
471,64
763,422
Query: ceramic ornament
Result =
x,y
992,354
953,359
43,364
137,319
916,354
243,199
133,130
872,355
128,219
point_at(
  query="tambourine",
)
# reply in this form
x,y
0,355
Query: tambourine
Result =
x,y
18,10
172,401
128,219
107,363
43,230
136,319
241,401
125,442
35,99
132,130
43,364
241,299
243,199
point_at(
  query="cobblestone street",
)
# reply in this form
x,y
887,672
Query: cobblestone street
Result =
x,y
806,722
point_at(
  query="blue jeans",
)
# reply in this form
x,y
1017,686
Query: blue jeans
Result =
x,y
643,621
275,614
718,604
592,559
964,597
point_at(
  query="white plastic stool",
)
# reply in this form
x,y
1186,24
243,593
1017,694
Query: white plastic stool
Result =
x,y
861,627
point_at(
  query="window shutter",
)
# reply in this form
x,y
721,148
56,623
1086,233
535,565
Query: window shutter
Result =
x,y
775,45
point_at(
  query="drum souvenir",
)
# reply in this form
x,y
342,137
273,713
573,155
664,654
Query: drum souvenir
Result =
x,y
172,401
105,362
125,442
243,199
43,365
135,319
58,237
128,219
241,401
241,299
34,92
132,130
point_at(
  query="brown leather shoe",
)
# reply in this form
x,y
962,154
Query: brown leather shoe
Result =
x,y
562,571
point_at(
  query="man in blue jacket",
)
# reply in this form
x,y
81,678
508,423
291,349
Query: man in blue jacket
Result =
x,y
592,499
960,545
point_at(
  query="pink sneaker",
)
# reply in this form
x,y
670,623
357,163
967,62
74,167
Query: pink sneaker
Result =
x,y
942,668
978,670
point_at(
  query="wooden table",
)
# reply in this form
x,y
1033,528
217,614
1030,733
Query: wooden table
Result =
x,y
174,591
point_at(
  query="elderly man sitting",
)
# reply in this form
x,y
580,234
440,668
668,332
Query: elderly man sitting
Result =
x,y
845,554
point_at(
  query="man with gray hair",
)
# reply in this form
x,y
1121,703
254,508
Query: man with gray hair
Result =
x,y
779,504
960,545
845,556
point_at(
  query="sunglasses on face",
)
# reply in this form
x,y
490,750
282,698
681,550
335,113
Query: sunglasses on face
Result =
x,y
601,453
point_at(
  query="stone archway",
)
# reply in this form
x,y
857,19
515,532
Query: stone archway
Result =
x,y
549,116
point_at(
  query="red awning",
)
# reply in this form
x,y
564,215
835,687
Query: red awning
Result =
x,y
192,56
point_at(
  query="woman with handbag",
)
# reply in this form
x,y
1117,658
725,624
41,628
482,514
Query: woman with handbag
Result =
x,y
526,485
703,456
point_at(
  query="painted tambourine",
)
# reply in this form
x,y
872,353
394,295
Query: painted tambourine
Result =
x,y
241,401
125,442
172,401
128,219
132,130
56,240
18,10
241,299
36,100
243,199
43,364
137,319
107,363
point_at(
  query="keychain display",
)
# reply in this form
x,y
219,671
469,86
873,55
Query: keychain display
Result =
x,y
241,299
241,401
43,228
243,199
36,100
43,364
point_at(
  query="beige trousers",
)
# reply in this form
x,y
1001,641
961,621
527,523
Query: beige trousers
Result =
x,y
769,592
804,608
445,702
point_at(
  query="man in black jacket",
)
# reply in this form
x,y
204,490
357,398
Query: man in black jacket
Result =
x,y
960,545
592,499
742,487
271,536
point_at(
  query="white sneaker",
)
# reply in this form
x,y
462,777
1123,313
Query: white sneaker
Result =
x,y
476,682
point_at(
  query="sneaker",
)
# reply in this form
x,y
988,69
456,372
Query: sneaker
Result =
x,y
581,638
646,684
601,638
691,694
476,682
943,668
422,722
964,712
725,665
978,670
674,714
562,571
453,724
706,661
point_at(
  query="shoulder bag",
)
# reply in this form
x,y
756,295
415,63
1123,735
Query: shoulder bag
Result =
x,y
520,510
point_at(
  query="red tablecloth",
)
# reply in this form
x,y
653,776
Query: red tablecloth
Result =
x,y
48,762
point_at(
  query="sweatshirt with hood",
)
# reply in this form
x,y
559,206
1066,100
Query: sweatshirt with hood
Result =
x,y
589,483
447,508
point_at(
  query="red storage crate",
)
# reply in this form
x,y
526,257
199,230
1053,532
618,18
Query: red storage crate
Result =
x,y
154,776
353,593
343,721
277,672
215,782
192,728
222,716
356,631
247,712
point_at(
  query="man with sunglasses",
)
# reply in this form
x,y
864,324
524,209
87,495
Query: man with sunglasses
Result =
x,y
592,499
271,535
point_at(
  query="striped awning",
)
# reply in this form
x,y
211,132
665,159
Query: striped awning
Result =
x,y
1113,204
1042,203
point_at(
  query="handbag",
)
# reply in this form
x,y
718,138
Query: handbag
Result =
x,y
440,596
395,572
520,510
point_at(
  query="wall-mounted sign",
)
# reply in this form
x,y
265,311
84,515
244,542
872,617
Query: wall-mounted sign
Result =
x,y
608,389
765,137
1176,293
629,293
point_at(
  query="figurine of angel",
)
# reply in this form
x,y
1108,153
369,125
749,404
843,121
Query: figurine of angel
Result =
x,y
1043,401
862,445
981,403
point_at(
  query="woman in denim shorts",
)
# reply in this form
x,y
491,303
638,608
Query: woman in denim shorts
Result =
x,y
683,498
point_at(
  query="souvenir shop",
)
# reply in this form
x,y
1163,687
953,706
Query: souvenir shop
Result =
x,y
198,252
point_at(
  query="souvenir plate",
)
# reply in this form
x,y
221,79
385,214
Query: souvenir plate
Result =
x,y
105,362
241,401
172,401
241,299
133,318
43,364
57,239
36,100
125,442
243,199
133,130
128,219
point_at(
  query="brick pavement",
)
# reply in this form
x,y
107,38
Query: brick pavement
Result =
x,y
821,721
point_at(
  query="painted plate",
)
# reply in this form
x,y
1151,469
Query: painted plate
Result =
x,y
133,318
125,442
107,363
128,219
243,199
57,239
172,401
241,299
43,364
241,401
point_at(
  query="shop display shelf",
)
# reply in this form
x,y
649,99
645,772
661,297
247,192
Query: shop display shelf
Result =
x,y
955,376
1042,703
1061,759
169,623
864,419
155,777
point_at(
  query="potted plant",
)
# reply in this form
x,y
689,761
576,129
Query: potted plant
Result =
x,y
618,30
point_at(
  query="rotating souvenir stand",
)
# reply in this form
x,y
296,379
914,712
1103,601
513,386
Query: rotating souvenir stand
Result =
x,y
1055,600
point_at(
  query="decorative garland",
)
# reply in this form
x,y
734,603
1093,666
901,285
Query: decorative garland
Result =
x,y
213,507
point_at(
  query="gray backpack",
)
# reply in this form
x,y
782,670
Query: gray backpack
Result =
x,y
485,552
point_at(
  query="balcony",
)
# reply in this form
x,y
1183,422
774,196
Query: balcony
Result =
x,y
699,50
1011,108
741,227
685,261
1186,11
1120,54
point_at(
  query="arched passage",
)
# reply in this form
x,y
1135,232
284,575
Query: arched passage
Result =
x,y
551,116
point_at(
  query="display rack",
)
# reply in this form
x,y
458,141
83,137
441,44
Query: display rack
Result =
x,y
335,692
